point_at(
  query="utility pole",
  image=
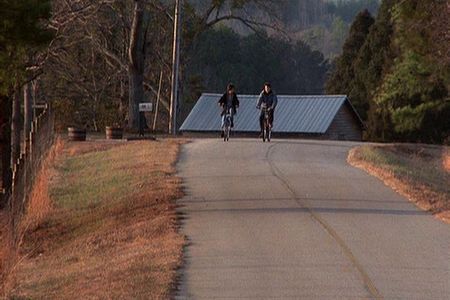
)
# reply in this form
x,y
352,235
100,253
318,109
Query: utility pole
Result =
x,y
175,68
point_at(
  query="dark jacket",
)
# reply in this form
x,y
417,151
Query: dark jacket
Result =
x,y
268,100
223,100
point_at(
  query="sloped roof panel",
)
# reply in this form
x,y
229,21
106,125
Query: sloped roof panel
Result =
x,y
294,114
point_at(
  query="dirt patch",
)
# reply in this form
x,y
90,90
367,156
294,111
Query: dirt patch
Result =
x,y
112,231
418,172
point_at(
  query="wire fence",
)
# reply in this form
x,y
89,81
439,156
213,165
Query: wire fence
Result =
x,y
35,148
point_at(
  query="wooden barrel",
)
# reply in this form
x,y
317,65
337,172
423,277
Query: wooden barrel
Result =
x,y
76,134
114,133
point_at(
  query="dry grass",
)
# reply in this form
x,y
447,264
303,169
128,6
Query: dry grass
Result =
x,y
419,172
37,210
8,256
40,204
112,228
446,159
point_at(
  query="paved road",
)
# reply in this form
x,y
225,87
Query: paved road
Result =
x,y
292,220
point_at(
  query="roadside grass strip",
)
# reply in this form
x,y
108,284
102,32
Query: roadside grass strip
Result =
x,y
112,232
418,172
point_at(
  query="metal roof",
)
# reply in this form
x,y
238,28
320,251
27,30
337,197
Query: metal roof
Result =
x,y
294,114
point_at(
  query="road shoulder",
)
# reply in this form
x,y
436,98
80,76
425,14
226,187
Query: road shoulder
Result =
x,y
418,172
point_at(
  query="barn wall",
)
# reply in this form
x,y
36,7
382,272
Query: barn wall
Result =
x,y
345,126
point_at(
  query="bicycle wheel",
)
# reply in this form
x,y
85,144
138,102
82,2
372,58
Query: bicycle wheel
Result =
x,y
269,134
228,133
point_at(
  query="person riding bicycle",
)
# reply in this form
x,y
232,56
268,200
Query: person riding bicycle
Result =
x,y
229,100
267,99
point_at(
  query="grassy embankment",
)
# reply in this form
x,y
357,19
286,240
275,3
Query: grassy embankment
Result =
x,y
111,231
419,172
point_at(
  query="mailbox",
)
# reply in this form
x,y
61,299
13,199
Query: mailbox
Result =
x,y
145,107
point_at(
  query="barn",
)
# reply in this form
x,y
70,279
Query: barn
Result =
x,y
320,116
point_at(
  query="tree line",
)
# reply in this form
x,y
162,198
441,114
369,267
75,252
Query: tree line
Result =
x,y
395,69
323,24
222,56
96,60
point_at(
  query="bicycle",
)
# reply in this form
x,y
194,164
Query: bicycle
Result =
x,y
267,127
227,125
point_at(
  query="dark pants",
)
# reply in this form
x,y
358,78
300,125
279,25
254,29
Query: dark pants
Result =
x,y
261,119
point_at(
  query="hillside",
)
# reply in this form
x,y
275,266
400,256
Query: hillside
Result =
x,y
322,24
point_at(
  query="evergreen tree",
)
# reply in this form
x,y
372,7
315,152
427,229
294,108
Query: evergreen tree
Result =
x,y
397,78
20,32
373,61
342,78
415,91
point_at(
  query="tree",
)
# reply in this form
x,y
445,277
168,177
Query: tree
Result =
x,y
399,77
135,53
21,36
342,76
136,61
415,91
338,33
373,62
82,86
222,56
92,61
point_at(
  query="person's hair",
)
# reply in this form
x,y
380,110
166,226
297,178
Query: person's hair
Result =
x,y
230,86
267,84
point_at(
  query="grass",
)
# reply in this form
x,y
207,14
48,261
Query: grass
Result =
x,y
38,208
112,231
77,191
420,172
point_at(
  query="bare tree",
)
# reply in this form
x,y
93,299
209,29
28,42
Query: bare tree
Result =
x,y
129,53
136,62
